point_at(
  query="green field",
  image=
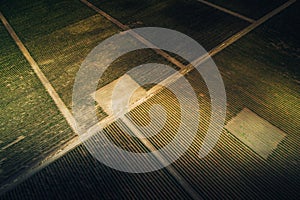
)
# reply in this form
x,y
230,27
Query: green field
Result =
x,y
260,72
26,110
39,18
59,51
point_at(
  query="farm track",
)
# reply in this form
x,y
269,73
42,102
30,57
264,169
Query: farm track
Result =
x,y
271,171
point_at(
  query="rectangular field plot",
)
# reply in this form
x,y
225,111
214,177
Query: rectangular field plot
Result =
x,y
260,72
263,68
280,38
41,17
60,53
30,123
104,96
257,75
97,181
61,60
250,8
205,24
257,133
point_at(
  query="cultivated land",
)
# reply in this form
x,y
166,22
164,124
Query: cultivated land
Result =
x,y
58,48
260,72
26,110
206,25
250,8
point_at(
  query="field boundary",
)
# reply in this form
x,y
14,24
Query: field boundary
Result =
x,y
137,36
74,142
251,27
225,10
51,91
49,88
